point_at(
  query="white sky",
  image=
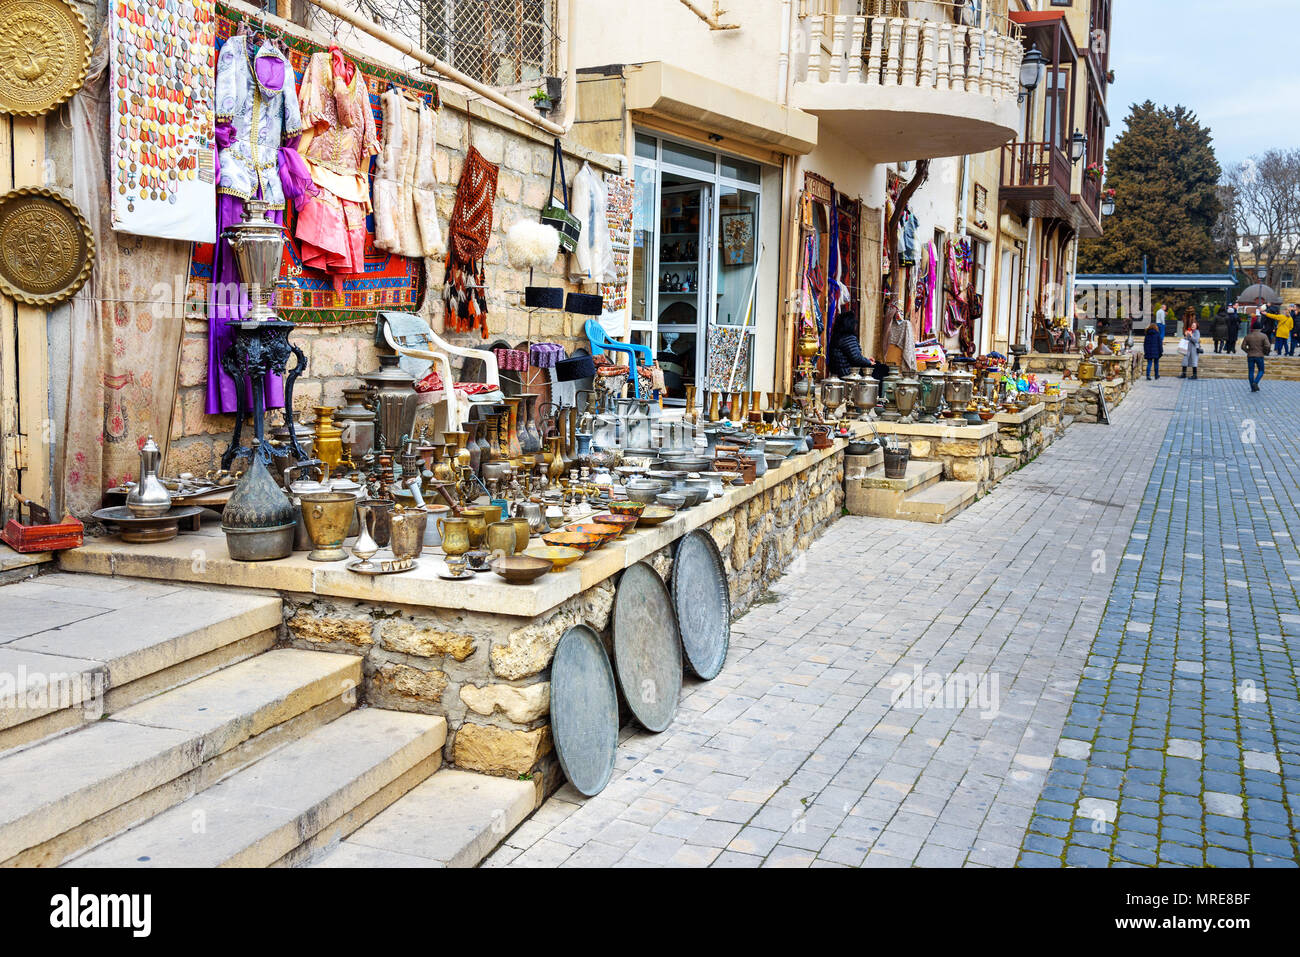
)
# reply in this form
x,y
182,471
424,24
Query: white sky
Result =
x,y
1236,63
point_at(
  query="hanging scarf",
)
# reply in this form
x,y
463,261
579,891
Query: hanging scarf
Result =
x,y
467,241
833,265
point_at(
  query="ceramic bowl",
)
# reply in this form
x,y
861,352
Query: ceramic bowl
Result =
x,y
656,515
607,533
693,495
671,499
627,508
559,556
624,522
581,541
521,569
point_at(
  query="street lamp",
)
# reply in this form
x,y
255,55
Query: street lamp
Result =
x,y
1078,146
1108,204
1031,72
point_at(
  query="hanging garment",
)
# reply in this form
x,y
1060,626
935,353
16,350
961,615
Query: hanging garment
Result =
x,y
124,340
405,187
907,256
257,107
464,294
593,257
337,145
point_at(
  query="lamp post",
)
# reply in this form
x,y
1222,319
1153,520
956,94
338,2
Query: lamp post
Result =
x,y
1107,204
1261,273
1078,147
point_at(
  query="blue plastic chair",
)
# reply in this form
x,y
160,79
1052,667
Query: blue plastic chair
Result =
x,y
600,342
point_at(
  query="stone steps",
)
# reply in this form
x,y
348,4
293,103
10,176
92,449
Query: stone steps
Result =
x,y
454,819
1211,366
293,803
84,645
938,503
1003,465
65,793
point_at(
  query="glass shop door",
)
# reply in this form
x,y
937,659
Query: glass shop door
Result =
x,y
683,281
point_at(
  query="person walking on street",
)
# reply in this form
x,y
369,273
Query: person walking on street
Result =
x,y
1234,328
1256,346
1191,349
1153,347
1219,330
1295,328
1161,315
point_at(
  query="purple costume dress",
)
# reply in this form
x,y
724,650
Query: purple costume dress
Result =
x,y
257,106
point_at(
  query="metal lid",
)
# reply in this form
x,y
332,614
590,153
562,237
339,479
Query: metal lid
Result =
x,y
584,710
647,647
702,603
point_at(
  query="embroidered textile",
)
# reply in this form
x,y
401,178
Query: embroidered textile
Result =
x,y
405,186
255,95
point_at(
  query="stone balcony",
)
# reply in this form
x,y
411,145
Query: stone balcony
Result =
x,y
908,87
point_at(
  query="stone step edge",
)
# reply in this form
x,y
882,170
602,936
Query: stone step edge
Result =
x,y
412,757
187,752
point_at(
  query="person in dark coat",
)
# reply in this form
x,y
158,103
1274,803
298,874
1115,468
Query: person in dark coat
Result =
x,y
1153,347
1233,319
1219,331
845,352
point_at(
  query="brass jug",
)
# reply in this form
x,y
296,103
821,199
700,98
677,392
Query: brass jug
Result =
x,y
455,535
477,517
501,538
524,528
408,533
328,515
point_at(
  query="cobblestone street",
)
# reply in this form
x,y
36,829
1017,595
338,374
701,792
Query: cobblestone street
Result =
x,y
1068,672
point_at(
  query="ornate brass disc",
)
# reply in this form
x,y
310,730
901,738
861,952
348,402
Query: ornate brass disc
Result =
x,y
45,246
44,54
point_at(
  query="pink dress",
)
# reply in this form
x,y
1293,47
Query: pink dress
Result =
x,y
338,145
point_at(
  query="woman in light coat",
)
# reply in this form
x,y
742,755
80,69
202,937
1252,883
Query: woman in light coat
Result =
x,y
1191,336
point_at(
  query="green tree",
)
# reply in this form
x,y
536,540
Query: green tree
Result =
x,y
1167,203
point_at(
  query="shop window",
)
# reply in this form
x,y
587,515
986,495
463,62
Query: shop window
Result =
x,y
746,172
645,146
679,154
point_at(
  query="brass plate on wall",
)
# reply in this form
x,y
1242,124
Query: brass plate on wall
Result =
x,y
46,249
44,54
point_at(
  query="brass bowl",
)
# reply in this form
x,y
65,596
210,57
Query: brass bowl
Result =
x,y
624,522
560,556
656,515
606,533
521,569
627,508
582,541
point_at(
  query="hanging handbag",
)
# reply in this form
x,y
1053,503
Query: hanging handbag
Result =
x,y
558,216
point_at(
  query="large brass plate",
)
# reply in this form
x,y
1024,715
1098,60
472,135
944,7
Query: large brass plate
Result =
x,y
45,246
44,53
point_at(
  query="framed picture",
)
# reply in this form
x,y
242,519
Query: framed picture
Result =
x,y
737,232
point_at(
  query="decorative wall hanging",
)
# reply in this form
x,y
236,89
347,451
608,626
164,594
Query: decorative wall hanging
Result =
x,y
162,64
390,282
46,249
44,54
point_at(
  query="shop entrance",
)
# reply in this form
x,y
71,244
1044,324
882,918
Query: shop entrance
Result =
x,y
696,233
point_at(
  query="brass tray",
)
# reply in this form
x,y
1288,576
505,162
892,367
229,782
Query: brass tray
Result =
x,y
46,249
44,55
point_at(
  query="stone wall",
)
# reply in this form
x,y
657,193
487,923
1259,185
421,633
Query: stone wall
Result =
x,y
968,458
338,355
1024,440
1081,403
489,674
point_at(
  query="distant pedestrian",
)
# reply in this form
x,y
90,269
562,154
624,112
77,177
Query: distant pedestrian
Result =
x,y
1267,323
1256,346
1191,348
1282,325
1161,315
1234,328
1219,330
1295,328
1153,347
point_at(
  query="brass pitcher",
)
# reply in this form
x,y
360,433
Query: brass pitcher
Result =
x,y
478,518
501,538
379,515
328,515
455,535
524,528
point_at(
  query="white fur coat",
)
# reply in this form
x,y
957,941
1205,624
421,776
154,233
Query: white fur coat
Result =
x,y
405,185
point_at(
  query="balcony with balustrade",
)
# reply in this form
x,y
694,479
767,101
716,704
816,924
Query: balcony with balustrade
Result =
x,y
911,81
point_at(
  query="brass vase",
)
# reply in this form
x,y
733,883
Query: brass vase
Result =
x,y
455,535
328,516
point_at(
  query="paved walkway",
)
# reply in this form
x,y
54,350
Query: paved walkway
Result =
x,y
904,698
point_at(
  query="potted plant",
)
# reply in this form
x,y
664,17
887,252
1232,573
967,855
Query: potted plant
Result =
x,y
541,100
1094,171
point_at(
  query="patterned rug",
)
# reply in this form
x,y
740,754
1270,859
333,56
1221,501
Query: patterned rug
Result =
x,y
389,282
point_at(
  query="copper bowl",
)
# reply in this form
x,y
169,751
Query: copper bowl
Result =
x,y
606,533
583,542
559,556
521,569
627,508
656,515
624,522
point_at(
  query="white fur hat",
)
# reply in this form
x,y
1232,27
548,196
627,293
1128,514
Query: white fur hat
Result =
x,y
530,244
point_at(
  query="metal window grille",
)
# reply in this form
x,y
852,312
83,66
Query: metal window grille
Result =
x,y
497,42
